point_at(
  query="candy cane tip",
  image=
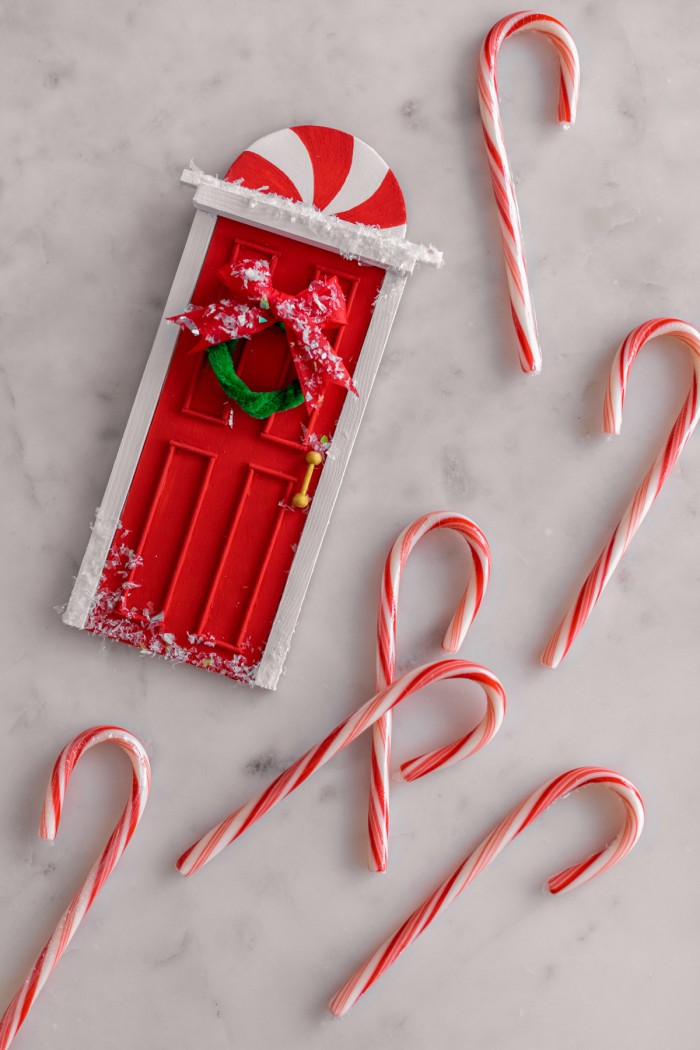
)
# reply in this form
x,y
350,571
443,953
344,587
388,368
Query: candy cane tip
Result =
x,y
551,657
555,886
47,824
184,865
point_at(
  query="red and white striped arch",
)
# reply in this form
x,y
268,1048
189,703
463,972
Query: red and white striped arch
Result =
x,y
339,174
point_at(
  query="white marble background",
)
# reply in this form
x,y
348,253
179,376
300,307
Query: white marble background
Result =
x,y
105,103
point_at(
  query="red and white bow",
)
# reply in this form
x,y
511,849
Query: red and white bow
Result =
x,y
258,304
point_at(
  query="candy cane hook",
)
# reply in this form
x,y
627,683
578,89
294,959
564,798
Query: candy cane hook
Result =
x,y
378,817
508,216
488,850
211,844
633,517
20,1006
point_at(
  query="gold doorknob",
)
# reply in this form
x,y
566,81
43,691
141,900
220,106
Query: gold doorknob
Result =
x,y
300,499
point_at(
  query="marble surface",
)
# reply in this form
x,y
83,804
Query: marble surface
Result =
x,y
105,103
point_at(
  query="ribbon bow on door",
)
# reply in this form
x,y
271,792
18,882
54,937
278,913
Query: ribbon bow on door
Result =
x,y
258,304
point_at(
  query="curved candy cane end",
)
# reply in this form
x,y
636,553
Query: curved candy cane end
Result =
x,y
568,110
612,426
47,828
610,855
567,879
458,628
612,414
587,870
50,815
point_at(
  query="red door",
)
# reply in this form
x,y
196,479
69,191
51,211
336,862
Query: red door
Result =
x,y
208,532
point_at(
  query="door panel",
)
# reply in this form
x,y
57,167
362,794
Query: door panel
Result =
x,y
204,398
208,532
170,522
245,559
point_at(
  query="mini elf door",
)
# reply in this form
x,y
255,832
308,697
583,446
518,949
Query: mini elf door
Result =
x,y
199,552
209,531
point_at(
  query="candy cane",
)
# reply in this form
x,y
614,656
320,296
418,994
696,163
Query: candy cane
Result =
x,y
488,850
501,177
633,517
211,844
20,1006
378,820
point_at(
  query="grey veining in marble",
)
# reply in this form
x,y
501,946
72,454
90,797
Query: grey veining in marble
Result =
x,y
104,103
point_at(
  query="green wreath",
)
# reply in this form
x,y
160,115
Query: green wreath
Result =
x,y
260,404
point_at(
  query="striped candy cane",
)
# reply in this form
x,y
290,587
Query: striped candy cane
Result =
x,y
20,1006
211,844
378,820
501,177
489,849
633,517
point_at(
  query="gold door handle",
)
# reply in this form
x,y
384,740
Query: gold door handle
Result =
x,y
313,460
